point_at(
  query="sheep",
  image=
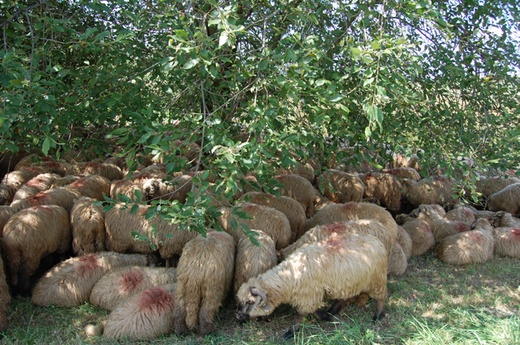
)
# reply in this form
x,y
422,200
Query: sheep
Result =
x,y
399,160
384,187
144,316
344,228
435,190
271,221
162,236
70,282
352,211
507,199
35,185
336,268
87,222
490,185
403,172
5,298
340,187
292,209
420,233
507,241
93,186
436,208
127,188
440,226
17,178
204,278
57,196
64,181
253,259
405,241
29,236
462,213
119,284
107,170
176,189
6,212
397,262
6,194
474,246
300,189
304,170
504,219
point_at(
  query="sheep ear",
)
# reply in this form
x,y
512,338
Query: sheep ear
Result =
x,y
263,303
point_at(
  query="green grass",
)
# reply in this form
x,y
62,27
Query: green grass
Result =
x,y
432,303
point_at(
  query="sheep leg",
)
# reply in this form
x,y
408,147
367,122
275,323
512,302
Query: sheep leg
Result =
x,y
336,306
295,327
180,326
380,306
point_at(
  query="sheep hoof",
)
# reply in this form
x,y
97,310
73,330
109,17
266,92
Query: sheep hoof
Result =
x,y
289,334
323,315
378,317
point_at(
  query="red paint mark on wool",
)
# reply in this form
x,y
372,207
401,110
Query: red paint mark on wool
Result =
x,y
130,281
87,264
515,234
36,198
333,228
461,227
335,244
79,183
477,237
36,182
156,298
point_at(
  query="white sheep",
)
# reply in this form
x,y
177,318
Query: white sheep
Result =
x,y
507,199
337,268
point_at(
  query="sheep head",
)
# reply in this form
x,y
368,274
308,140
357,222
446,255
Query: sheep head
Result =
x,y
252,303
151,188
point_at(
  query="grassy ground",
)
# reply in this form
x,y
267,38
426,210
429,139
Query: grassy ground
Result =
x,y
432,303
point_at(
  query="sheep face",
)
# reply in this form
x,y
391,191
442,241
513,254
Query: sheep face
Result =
x,y
151,188
252,303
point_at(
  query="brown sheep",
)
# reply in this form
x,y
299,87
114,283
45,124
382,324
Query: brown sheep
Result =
x,y
64,181
292,209
400,160
176,189
251,259
300,189
397,262
336,268
461,213
127,188
353,211
507,199
404,239
204,278
507,241
474,246
107,170
57,196
505,219
420,232
404,172
5,298
490,185
6,194
69,283
35,185
430,207
271,221
6,212
339,186
93,186
384,187
435,190
17,178
29,236
119,284
87,222
144,316
440,226
304,170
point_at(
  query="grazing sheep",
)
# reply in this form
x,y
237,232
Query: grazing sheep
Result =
x,y
384,187
397,262
300,189
490,185
87,222
127,188
462,214
107,170
204,278
404,239
176,189
474,246
144,316
29,236
271,221
507,199
35,185
70,282
435,190
507,241
440,226
344,229
57,196
5,298
353,211
93,186
420,233
404,172
119,284
292,209
340,186
252,259
504,219
336,268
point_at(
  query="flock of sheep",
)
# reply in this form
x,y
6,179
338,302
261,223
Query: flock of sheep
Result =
x,y
333,234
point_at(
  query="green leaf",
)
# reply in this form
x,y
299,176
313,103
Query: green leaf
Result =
x,y
191,63
46,146
223,39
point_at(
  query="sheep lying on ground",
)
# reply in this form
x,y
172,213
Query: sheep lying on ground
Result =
x,y
271,221
405,241
29,236
461,213
397,263
251,259
340,186
435,190
144,316
385,188
503,219
17,178
93,186
5,298
440,226
69,283
474,246
37,184
300,189
292,209
507,241
507,199
107,170
56,196
420,232
120,283
175,189
336,268
204,278
490,185
87,222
